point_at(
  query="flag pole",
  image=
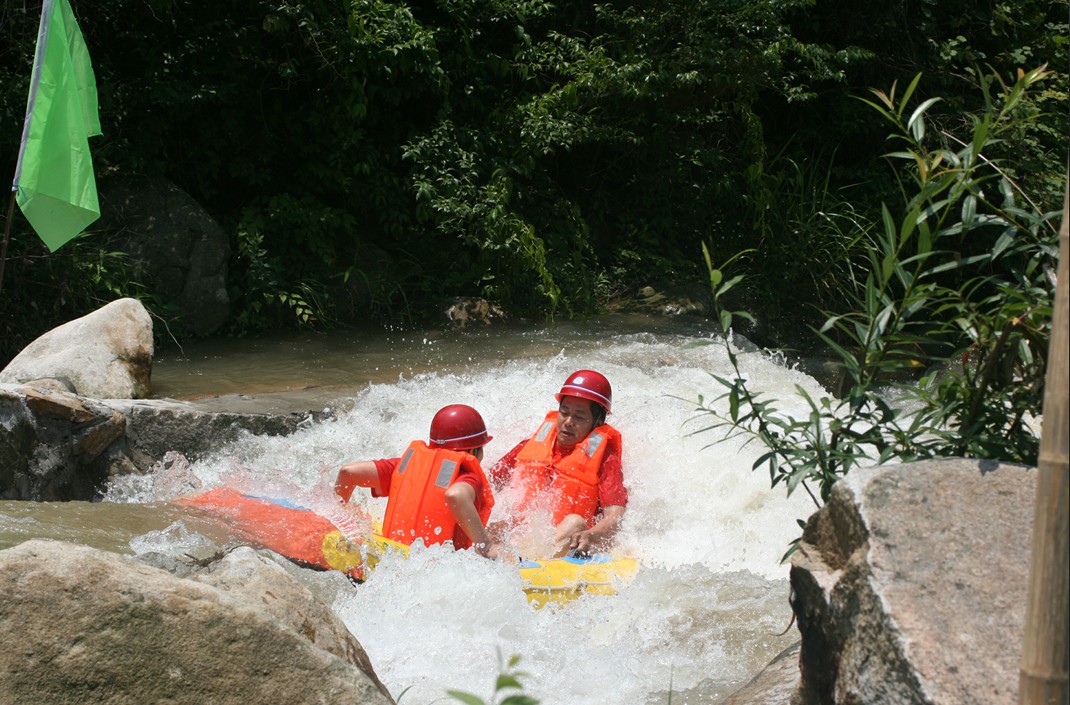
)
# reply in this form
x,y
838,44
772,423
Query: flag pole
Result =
x,y
7,235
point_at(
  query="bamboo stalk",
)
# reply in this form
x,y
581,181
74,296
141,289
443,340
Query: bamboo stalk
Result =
x,y
1045,659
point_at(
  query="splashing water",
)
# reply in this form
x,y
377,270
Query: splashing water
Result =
x,y
705,611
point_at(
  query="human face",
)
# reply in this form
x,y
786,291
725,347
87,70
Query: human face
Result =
x,y
574,421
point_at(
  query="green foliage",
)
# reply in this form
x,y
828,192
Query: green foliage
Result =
x,y
545,155
479,210
959,285
42,290
721,286
507,682
794,208
267,299
993,319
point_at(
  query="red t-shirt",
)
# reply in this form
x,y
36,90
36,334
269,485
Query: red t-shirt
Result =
x,y
611,489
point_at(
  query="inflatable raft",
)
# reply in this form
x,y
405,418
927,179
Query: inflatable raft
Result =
x,y
283,526
309,539
548,580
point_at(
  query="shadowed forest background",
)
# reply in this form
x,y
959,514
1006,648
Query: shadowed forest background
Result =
x,y
368,158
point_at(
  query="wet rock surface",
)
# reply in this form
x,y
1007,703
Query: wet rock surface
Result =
x,y
910,585
240,630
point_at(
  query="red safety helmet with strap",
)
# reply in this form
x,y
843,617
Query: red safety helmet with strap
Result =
x,y
589,385
458,427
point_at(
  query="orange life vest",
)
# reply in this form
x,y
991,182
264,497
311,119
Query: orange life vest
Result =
x,y
570,481
416,508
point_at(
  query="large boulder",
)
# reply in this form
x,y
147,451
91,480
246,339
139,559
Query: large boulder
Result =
x,y
87,626
910,586
104,354
246,575
177,250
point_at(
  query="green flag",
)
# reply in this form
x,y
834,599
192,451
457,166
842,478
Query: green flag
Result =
x,y
54,182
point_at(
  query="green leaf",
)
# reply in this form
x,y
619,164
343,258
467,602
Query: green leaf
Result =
x,y
908,92
506,680
731,283
916,123
520,700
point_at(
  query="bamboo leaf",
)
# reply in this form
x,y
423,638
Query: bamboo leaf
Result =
x,y
916,123
909,92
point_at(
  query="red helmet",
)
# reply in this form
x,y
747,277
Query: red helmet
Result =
x,y
458,427
590,385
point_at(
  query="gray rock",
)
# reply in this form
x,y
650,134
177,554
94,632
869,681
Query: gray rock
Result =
x,y
17,441
57,446
104,354
676,300
246,575
910,585
52,443
774,685
177,250
157,426
81,625
465,312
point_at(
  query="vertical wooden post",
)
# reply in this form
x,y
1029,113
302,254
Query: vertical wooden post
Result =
x,y
1045,658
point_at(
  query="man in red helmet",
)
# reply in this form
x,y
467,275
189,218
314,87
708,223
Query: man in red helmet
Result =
x,y
436,491
572,465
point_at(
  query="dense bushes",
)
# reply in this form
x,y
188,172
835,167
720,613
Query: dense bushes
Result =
x,y
944,335
369,157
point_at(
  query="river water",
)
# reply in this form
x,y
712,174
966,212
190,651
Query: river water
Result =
x,y
705,612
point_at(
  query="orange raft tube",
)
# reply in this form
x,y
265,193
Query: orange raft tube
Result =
x,y
287,528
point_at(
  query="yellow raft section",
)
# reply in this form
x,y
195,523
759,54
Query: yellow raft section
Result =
x,y
551,581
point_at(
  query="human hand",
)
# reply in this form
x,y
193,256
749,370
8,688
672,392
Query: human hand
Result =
x,y
584,542
490,550
599,536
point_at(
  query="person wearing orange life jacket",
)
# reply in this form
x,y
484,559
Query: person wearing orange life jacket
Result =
x,y
436,491
574,461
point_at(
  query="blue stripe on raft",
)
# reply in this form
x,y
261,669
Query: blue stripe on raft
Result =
x,y
276,500
596,558
575,560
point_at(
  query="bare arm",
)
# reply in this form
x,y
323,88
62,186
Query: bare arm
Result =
x,y
357,474
461,499
502,471
599,536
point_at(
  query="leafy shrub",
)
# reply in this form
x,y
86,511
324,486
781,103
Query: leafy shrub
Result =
x,y
959,288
